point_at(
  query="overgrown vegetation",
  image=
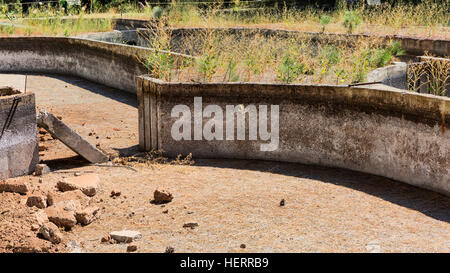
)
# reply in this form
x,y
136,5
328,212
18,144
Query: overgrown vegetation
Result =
x,y
431,76
254,56
428,18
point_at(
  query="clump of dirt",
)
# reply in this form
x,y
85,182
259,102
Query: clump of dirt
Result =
x,y
16,222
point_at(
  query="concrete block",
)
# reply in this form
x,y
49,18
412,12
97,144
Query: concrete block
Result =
x,y
69,137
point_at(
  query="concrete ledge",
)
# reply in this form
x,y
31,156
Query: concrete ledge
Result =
x,y
114,65
395,134
393,75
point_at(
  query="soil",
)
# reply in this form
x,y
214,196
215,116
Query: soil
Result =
x,y
218,205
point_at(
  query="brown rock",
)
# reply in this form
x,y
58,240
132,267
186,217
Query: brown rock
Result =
x,y
39,201
34,227
162,197
87,183
106,239
115,193
61,217
55,198
41,217
87,215
190,225
51,232
13,186
131,248
32,245
41,169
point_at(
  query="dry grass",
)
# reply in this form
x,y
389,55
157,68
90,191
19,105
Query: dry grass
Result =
x,y
255,57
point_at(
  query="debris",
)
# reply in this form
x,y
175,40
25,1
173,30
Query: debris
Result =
x,y
162,197
87,215
106,239
282,203
190,225
41,217
41,169
169,249
56,198
42,148
69,137
87,183
13,186
61,217
125,236
131,248
115,193
39,201
51,232
32,245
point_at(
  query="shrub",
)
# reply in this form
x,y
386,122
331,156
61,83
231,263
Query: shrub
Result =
x,y
324,20
157,12
351,20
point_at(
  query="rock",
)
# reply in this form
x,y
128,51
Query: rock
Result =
x,y
243,246
87,215
54,198
69,137
125,236
190,225
61,217
115,193
39,201
106,239
162,197
41,169
170,249
87,183
34,227
131,248
373,247
32,245
74,247
51,232
14,186
41,217
282,203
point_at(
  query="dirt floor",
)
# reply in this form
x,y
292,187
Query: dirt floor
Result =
x,y
233,202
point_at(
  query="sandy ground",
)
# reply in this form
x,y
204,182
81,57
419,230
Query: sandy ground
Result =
x,y
234,202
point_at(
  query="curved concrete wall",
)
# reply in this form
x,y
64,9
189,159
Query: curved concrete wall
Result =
x,y
394,134
114,65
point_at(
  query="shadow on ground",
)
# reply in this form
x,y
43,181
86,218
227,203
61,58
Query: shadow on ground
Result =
x,y
432,204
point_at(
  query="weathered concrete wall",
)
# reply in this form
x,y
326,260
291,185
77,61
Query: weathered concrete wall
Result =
x,y
116,36
393,75
394,134
114,65
19,145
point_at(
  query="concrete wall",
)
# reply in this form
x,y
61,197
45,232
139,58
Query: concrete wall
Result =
x,y
114,65
393,75
19,145
394,134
